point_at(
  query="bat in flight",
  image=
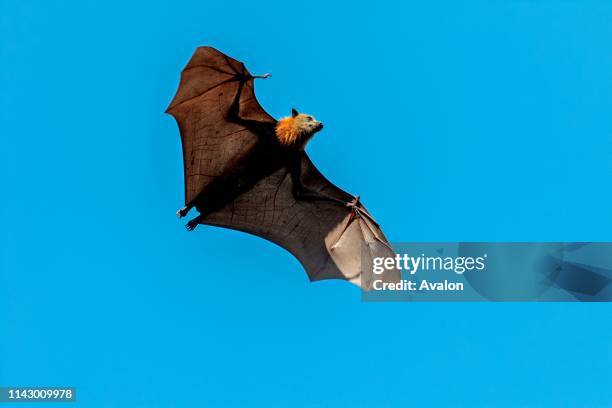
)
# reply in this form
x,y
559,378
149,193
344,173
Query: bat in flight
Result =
x,y
247,171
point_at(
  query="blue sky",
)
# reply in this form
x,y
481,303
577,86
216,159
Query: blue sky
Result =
x,y
454,120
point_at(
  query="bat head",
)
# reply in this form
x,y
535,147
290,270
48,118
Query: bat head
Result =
x,y
296,130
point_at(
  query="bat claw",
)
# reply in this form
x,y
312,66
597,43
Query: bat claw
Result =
x,y
354,203
191,225
182,212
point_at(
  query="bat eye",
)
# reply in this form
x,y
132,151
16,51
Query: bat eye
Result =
x,y
310,118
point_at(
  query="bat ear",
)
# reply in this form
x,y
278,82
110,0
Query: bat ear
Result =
x,y
294,112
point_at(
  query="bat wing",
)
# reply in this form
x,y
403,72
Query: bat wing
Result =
x,y
211,144
331,241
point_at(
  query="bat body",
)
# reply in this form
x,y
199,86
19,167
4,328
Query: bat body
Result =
x,y
247,171
267,156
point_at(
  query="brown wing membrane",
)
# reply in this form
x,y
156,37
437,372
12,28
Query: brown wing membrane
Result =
x,y
210,143
329,240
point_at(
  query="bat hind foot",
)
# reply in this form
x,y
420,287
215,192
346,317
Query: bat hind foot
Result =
x,y
191,225
182,212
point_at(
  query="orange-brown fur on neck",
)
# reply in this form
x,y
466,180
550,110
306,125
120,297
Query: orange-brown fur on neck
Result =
x,y
288,132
